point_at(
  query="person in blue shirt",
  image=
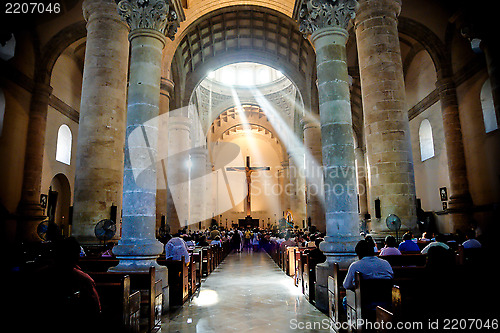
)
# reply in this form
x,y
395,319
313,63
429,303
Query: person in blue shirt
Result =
x,y
407,244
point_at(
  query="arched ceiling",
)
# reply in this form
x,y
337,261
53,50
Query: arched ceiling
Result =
x,y
242,33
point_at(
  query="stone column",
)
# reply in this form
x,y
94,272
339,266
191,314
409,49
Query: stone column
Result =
x,y
162,193
314,173
101,132
285,185
179,143
138,247
297,180
388,148
327,23
29,209
460,201
198,180
362,189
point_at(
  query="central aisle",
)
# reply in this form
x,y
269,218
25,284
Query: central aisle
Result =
x,y
247,292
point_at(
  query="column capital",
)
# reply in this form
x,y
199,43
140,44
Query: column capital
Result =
x,y
314,15
163,16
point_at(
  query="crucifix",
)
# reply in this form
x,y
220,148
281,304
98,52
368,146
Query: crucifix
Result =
x,y
248,172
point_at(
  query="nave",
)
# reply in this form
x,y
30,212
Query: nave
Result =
x,y
247,292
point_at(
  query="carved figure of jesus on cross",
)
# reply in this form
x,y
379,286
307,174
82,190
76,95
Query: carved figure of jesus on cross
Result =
x,y
248,172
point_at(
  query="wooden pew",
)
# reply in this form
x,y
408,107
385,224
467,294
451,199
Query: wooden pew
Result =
x,y
178,280
150,291
120,307
97,264
336,293
309,277
362,301
194,272
206,261
406,259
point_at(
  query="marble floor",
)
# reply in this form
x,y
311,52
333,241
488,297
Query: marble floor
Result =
x,y
247,292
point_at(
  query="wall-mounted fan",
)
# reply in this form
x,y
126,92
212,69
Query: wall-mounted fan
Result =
x,y
105,229
393,223
42,229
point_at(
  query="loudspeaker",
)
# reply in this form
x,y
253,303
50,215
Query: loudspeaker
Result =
x,y
113,212
377,209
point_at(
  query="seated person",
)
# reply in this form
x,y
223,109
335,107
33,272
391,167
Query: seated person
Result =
x,y
370,240
471,242
407,245
203,241
439,242
176,248
390,247
316,253
216,241
189,242
368,265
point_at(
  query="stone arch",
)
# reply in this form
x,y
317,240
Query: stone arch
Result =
x,y
61,185
55,46
429,40
242,33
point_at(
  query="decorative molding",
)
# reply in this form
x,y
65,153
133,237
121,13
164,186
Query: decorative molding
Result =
x,y
64,108
159,15
313,15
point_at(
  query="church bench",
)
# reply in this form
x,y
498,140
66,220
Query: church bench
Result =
x,y
97,263
362,301
206,261
336,293
120,308
406,259
309,277
150,290
194,272
178,280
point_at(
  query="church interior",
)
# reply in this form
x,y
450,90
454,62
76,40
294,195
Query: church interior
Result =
x,y
123,123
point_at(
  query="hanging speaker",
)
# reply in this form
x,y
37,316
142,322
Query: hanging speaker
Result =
x,y
113,212
377,209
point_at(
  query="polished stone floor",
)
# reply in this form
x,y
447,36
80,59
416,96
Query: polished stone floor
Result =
x,y
247,292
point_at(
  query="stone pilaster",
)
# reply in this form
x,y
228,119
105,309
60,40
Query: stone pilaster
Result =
x,y
198,180
297,180
149,21
179,143
460,201
29,209
327,23
362,189
101,132
387,134
162,193
314,174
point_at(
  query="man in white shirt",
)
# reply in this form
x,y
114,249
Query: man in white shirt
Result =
x,y
176,248
368,265
439,242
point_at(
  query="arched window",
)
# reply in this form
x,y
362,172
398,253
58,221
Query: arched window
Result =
x,y
2,110
426,140
64,141
489,116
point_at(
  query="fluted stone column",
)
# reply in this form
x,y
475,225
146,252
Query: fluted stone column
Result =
x,y
29,209
138,247
101,131
314,174
179,143
460,201
327,23
388,148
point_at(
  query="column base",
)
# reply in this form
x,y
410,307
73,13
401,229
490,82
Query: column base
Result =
x,y
30,215
324,270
